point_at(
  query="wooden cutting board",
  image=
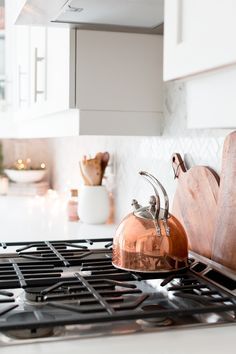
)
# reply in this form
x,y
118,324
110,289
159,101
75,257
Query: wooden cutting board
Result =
x,y
224,247
195,204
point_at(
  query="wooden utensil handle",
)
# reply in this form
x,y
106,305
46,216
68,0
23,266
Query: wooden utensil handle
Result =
x,y
178,165
86,179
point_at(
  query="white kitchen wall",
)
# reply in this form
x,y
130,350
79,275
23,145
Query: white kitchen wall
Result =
x,y
132,154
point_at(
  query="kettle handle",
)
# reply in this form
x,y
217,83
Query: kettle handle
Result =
x,y
154,182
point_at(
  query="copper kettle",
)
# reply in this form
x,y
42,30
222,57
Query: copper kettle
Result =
x,y
150,239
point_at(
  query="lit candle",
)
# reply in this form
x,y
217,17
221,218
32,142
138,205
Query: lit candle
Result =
x,y
20,165
28,163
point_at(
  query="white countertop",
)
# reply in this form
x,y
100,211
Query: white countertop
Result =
x,y
191,341
28,218
43,218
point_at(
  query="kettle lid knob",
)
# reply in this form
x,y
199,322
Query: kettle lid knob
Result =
x,y
135,204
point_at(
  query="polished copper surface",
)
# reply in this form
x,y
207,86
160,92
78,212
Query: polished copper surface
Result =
x,y
150,239
138,247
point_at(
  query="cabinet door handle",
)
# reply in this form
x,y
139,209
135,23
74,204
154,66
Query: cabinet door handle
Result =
x,y
38,59
179,29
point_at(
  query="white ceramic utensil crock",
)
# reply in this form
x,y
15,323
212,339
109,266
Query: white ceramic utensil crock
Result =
x,y
93,205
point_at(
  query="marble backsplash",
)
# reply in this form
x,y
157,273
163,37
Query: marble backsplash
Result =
x,y
132,154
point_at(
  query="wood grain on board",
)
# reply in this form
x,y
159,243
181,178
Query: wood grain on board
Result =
x,y
195,204
224,247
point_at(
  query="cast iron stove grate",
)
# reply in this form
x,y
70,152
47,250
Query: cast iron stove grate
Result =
x,y
59,283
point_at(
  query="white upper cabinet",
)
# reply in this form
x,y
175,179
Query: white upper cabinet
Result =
x,y
49,71
60,75
74,81
210,99
17,59
119,83
37,68
22,64
113,80
199,36
119,71
38,65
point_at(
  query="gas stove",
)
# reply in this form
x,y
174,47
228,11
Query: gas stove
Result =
x,y
57,290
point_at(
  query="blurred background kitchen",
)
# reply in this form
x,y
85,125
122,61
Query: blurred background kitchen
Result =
x,y
60,155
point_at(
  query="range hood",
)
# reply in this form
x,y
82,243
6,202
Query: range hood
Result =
x,y
143,16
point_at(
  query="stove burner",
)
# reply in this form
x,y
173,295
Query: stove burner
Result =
x,y
155,322
31,332
69,289
34,294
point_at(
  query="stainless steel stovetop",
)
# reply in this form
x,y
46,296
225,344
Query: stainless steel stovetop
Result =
x,y
57,290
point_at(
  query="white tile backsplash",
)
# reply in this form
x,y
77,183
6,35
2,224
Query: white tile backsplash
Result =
x,y
132,154
129,154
